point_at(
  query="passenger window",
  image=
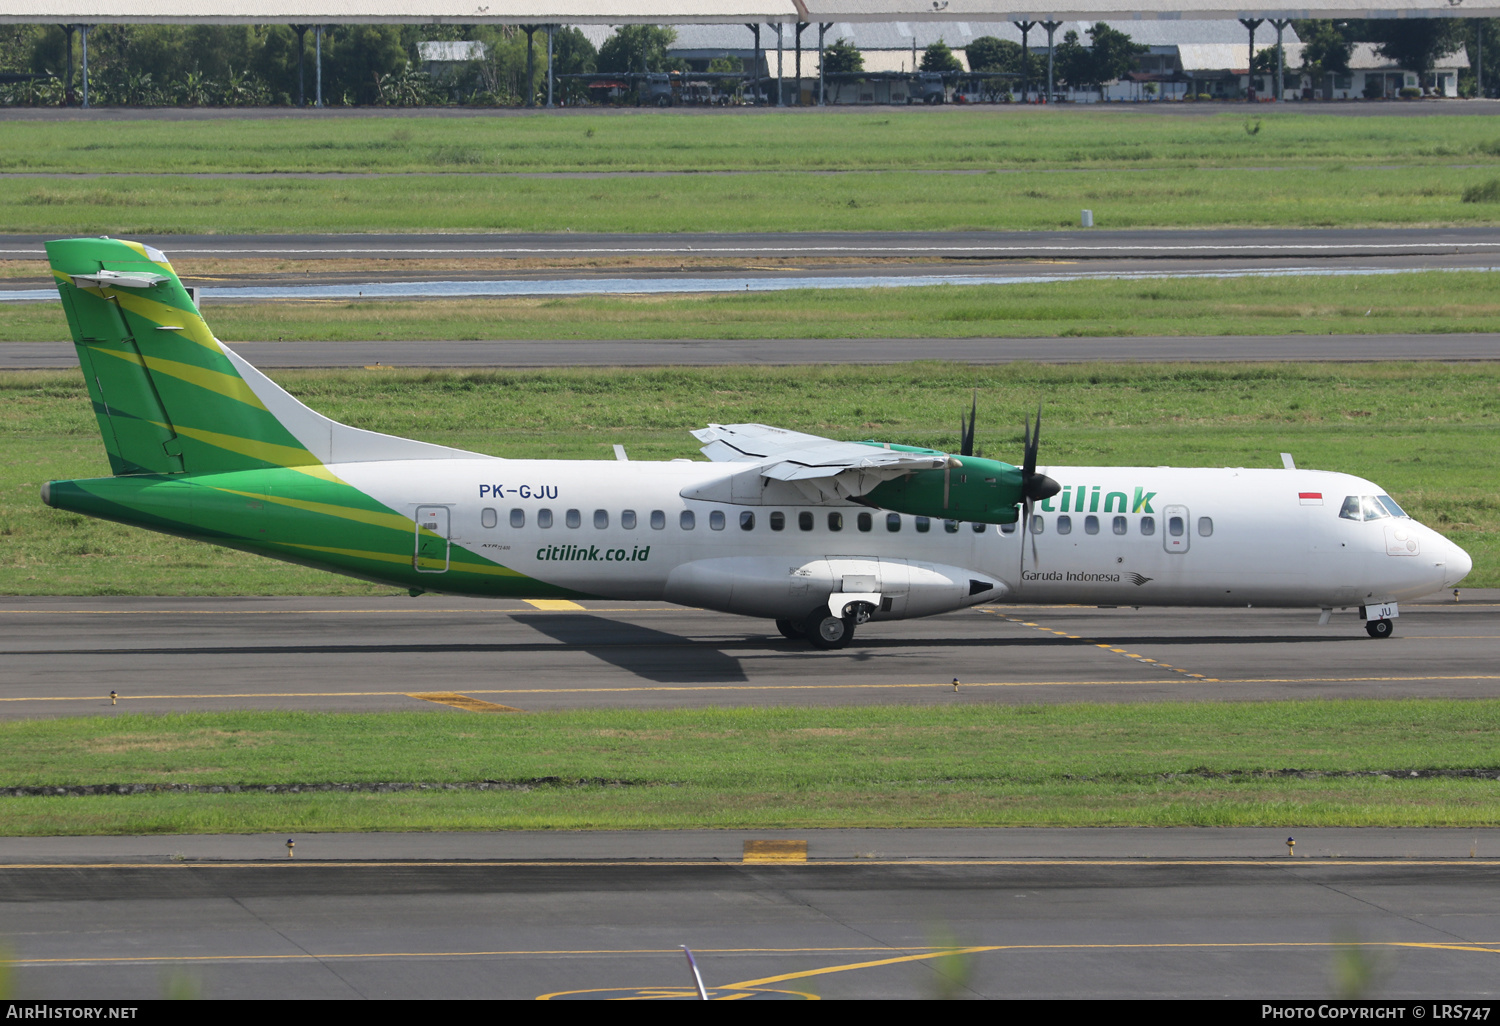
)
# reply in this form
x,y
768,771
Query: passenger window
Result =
x,y
865,521
979,528
1205,527
573,518
1090,525
518,518
1175,526
747,520
1148,526
488,518
951,526
1121,525
601,519
804,521
658,520
627,519
924,524
1038,525
1007,528
778,521
835,521
893,522
1064,524
544,518
716,520
686,520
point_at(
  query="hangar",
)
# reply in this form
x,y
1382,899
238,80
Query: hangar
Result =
x,y
545,15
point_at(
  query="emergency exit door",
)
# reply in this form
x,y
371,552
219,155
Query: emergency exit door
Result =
x,y
431,553
1175,520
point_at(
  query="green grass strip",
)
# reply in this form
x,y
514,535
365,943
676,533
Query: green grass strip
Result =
x,y
1012,137
1159,764
1425,432
770,202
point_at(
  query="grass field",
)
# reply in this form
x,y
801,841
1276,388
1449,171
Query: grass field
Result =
x,y
1190,764
1425,432
956,138
896,200
1418,303
1032,170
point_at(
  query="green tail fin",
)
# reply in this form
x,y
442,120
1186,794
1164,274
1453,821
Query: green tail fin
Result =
x,y
169,397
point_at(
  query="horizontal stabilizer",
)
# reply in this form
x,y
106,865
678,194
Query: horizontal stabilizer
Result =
x,y
128,280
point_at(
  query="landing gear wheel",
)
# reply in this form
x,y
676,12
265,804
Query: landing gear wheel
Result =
x,y
828,632
1380,628
791,630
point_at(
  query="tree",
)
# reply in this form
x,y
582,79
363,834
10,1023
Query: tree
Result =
x,y
1325,50
637,48
1415,44
938,57
1482,41
354,59
1071,62
1112,54
987,53
842,58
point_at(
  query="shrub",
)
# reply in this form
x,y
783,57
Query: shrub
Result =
x,y
1486,192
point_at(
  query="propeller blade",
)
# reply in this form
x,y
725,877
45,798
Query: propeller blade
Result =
x,y
1035,562
1025,529
966,431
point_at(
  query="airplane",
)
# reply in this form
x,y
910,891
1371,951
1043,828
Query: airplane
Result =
x,y
820,536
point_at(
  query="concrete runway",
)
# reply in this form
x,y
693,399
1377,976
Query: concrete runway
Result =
x,y
721,352
848,923
1132,244
62,656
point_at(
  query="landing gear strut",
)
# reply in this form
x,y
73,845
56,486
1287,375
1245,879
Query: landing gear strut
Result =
x,y
1380,628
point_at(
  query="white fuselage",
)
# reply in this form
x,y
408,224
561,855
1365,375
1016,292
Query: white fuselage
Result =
x,y
1116,535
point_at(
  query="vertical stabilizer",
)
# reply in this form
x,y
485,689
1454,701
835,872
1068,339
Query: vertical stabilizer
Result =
x,y
169,397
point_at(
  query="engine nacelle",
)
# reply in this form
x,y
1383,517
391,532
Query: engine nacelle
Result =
x,y
781,588
969,488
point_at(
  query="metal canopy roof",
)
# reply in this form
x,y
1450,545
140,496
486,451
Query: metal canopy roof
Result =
x,y
668,12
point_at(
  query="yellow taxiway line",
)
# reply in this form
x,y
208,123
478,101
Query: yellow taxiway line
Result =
x,y
1269,862
910,955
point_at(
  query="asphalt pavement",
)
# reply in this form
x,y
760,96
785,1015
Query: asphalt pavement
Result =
x,y
62,656
1197,243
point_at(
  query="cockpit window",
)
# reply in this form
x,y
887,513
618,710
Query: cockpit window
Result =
x,y
1370,507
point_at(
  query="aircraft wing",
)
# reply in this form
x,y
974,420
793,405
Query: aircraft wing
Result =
x,y
821,467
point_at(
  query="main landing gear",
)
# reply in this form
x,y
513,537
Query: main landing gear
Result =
x,y
825,630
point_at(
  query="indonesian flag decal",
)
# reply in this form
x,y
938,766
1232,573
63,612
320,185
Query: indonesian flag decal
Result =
x,y
1310,498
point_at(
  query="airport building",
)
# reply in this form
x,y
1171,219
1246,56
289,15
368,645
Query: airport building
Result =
x,y
1184,60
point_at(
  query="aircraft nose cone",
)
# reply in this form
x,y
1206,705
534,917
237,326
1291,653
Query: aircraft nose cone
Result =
x,y
1457,566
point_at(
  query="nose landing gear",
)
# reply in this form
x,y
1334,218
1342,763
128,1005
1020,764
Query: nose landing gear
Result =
x,y
1380,628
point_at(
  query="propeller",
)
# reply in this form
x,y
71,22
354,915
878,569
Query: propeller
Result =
x,y
966,430
1034,487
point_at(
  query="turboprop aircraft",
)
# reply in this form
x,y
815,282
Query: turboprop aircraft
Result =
x,y
818,535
